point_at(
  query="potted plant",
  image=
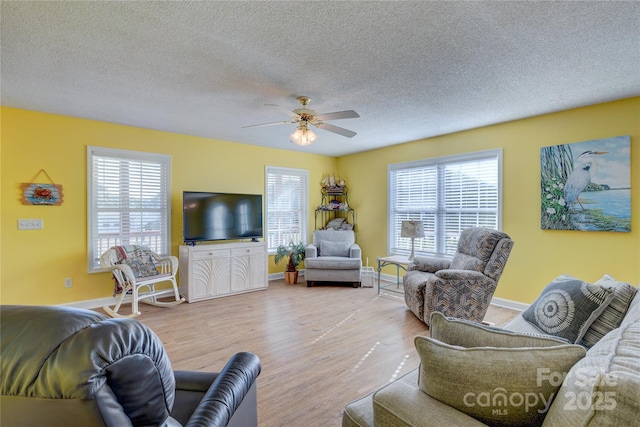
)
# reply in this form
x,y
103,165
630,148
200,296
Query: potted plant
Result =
x,y
295,253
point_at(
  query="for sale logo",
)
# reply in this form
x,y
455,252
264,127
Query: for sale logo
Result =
x,y
594,400
499,400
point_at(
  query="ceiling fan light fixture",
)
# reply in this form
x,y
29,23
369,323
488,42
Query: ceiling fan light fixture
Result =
x,y
303,136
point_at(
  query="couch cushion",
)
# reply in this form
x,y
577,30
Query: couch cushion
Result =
x,y
328,248
333,263
613,314
500,382
567,307
602,389
332,235
402,403
518,324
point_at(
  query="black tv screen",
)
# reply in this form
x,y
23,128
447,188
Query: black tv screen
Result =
x,y
221,216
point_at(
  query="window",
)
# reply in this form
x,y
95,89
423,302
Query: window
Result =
x,y
128,201
447,194
287,206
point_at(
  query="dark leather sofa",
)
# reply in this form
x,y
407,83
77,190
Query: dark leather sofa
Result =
x,y
62,366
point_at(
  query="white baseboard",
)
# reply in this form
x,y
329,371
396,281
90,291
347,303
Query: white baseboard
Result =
x,y
513,305
95,303
278,276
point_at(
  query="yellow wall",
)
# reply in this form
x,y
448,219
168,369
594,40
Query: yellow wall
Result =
x,y
538,255
34,263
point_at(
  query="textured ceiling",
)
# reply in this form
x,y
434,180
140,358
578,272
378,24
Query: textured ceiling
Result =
x,y
412,70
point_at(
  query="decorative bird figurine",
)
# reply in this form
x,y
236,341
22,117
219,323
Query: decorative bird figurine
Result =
x,y
584,168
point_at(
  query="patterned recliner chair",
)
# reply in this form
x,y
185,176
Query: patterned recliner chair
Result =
x,y
463,286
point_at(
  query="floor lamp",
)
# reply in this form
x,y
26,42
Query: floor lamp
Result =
x,y
412,229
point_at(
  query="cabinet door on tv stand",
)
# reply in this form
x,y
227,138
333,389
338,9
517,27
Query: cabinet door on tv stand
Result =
x,y
209,274
220,276
248,265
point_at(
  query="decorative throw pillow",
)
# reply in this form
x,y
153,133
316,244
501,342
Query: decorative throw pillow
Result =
x,y
328,248
466,333
567,307
142,266
613,314
506,385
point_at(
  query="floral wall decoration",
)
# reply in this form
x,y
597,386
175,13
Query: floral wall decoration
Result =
x,y
586,185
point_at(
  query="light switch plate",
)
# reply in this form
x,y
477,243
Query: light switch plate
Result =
x,y
30,224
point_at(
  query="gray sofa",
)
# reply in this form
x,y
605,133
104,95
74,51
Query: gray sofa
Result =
x,y
64,366
475,375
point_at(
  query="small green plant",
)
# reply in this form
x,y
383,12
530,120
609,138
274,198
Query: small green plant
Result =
x,y
295,253
555,211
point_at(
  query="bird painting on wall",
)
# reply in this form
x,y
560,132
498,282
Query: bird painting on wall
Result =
x,y
584,168
586,185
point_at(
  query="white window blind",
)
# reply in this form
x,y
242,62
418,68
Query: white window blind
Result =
x,y
128,201
287,206
447,194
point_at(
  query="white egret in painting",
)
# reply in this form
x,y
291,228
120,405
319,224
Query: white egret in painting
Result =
x,y
584,167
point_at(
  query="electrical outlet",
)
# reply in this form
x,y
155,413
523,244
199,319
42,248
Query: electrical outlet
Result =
x,y
68,282
30,224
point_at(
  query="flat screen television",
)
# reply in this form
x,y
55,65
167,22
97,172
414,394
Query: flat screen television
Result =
x,y
221,216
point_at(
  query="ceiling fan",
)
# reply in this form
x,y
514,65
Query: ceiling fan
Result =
x,y
305,116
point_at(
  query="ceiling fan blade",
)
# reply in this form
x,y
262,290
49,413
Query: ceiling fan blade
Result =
x,y
284,122
335,129
348,114
294,116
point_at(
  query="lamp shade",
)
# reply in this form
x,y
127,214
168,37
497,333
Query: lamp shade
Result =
x,y
412,229
303,136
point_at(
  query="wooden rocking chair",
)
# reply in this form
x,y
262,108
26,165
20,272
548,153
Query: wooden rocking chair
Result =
x,y
134,267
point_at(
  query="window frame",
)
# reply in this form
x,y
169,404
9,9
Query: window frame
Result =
x,y
303,208
439,234
164,160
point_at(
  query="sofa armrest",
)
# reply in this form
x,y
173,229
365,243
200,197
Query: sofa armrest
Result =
x,y
429,264
469,275
221,399
311,251
355,251
460,278
403,403
167,264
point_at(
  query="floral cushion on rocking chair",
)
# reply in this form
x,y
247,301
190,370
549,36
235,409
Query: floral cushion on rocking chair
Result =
x,y
140,260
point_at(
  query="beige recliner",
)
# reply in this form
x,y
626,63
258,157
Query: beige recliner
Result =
x,y
333,256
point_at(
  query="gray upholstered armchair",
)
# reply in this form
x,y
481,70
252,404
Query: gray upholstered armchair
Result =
x,y
333,256
64,366
463,286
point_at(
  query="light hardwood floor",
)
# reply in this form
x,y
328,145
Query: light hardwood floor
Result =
x,y
320,347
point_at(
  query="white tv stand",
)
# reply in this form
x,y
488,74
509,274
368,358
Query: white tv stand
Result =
x,y
222,269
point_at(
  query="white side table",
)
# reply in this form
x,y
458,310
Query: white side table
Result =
x,y
400,261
